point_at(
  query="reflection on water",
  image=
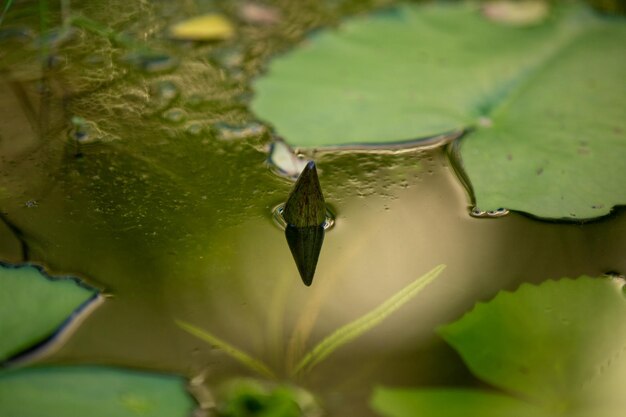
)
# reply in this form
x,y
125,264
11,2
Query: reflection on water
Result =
x,y
305,244
177,223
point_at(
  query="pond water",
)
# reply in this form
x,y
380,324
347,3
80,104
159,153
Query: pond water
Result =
x,y
140,170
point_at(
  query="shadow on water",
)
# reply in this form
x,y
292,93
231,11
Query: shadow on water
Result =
x,y
173,218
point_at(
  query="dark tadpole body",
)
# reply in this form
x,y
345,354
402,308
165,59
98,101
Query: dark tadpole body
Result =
x,y
305,214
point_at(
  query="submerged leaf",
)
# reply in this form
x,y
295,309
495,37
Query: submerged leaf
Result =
x,y
92,391
560,346
366,322
543,105
450,403
556,343
34,306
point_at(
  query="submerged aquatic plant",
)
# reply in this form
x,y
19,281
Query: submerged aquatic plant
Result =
x,y
6,8
554,349
334,341
35,309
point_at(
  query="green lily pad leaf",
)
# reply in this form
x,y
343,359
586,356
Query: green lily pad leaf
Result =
x,y
542,342
543,105
92,391
542,345
450,403
33,306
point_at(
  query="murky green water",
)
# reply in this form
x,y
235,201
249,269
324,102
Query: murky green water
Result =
x,y
153,185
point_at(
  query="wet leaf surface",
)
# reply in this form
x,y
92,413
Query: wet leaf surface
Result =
x,y
544,104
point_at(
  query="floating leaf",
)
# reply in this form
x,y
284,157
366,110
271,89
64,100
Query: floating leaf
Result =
x,y
450,403
559,346
366,322
207,27
34,306
92,391
543,105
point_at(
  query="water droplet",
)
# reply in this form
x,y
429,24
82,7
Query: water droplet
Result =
x,y
194,128
476,212
174,115
284,160
500,212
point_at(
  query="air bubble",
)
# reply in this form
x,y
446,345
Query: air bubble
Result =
x,y
174,115
476,212
194,128
500,212
228,58
284,160
228,132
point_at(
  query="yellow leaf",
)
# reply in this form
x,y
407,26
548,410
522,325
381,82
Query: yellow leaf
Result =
x,y
207,27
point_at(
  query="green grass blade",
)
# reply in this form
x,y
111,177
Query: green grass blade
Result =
x,y
364,323
231,351
7,6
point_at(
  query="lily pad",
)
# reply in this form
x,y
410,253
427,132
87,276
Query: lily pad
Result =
x,y
543,105
33,306
542,346
450,403
92,391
